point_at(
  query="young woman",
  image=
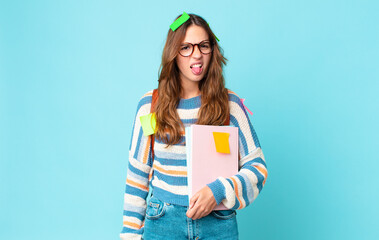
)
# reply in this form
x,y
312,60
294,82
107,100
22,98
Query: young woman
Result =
x,y
191,90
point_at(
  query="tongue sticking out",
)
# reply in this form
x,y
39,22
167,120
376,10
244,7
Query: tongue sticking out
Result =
x,y
196,70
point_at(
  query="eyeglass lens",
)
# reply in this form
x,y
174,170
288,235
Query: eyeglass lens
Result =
x,y
186,49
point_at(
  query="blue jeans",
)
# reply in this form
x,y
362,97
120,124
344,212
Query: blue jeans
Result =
x,y
168,221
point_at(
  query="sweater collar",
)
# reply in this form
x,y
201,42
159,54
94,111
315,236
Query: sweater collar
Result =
x,y
189,103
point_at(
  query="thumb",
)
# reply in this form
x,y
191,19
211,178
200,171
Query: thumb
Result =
x,y
193,200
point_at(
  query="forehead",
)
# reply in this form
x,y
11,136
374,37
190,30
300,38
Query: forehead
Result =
x,y
195,34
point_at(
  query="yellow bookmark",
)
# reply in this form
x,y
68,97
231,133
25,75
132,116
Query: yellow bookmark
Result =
x,y
221,142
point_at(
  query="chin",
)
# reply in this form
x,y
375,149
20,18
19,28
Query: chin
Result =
x,y
197,79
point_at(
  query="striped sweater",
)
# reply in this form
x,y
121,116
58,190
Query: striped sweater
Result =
x,y
169,181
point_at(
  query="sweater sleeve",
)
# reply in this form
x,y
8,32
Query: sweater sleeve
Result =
x,y
137,176
240,190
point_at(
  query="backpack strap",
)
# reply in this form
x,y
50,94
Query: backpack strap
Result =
x,y
227,121
152,109
152,136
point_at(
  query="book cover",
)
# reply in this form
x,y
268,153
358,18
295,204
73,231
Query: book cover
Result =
x,y
206,160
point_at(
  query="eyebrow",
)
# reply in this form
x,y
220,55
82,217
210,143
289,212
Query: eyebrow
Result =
x,y
207,40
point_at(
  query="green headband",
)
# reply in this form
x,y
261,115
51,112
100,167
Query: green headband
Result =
x,y
178,22
182,19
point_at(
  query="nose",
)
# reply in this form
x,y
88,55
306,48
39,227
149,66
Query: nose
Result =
x,y
196,52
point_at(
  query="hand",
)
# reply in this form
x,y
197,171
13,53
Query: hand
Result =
x,y
201,204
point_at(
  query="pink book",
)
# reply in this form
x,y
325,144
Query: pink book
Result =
x,y
204,163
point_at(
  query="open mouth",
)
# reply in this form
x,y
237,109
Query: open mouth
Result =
x,y
197,69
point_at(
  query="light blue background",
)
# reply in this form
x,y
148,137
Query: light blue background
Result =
x,y
72,73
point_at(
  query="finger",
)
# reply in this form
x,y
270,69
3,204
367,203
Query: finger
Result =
x,y
202,209
191,212
193,200
192,209
199,215
196,210
199,212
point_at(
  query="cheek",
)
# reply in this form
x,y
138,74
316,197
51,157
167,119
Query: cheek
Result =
x,y
182,64
207,60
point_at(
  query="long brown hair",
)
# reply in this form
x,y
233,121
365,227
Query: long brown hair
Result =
x,y
214,108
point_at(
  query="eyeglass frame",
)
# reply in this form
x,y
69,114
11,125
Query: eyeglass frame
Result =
x,y
193,47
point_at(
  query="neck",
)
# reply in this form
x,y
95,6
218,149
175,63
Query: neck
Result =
x,y
190,89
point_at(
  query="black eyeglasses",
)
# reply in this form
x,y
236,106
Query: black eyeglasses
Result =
x,y
186,49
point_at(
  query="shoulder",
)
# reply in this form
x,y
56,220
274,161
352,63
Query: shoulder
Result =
x,y
234,99
235,104
146,98
144,102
